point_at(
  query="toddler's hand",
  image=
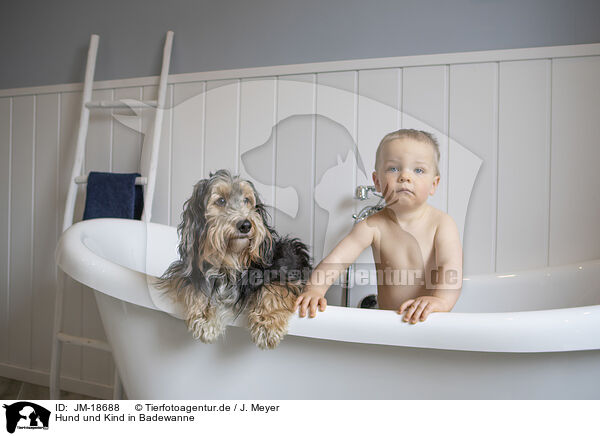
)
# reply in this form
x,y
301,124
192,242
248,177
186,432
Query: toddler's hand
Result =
x,y
418,309
312,299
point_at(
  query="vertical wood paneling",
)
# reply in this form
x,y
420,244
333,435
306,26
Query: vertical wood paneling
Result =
x,y
473,123
295,156
221,146
70,106
425,107
257,137
45,224
95,364
575,186
21,229
188,144
160,207
5,174
424,96
127,143
98,148
523,165
296,96
378,114
334,163
535,197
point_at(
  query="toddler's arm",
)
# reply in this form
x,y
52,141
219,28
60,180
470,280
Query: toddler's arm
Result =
x,y
329,269
448,257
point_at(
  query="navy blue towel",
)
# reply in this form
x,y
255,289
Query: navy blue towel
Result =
x,y
112,195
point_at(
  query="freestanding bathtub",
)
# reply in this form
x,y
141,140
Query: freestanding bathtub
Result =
x,y
531,335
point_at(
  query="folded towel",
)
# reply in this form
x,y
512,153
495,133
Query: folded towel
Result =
x,y
112,195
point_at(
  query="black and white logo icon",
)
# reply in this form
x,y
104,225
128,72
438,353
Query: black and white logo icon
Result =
x,y
26,415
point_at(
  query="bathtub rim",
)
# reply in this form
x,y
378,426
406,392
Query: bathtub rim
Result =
x,y
519,332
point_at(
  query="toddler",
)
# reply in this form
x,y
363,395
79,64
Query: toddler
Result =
x,y
416,247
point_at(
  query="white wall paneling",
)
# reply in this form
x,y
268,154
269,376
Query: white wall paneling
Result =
x,y
473,124
335,166
45,221
161,207
295,153
189,100
425,107
257,140
523,165
378,113
21,231
95,364
297,132
221,147
70,104
99,146
127,142
5,176
574,184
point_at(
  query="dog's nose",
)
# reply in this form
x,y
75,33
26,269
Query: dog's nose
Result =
x,y
244,226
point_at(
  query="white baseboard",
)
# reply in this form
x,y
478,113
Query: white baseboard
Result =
x,y
42,378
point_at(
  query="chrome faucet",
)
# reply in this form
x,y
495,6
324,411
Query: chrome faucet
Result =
x,y
361,193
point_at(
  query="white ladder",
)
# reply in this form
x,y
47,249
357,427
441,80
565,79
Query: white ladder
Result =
x,y
148,166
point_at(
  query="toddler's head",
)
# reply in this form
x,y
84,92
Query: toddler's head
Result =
x,y
417,135
406,167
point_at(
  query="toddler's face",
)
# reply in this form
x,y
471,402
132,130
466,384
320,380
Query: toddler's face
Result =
x,y
406,172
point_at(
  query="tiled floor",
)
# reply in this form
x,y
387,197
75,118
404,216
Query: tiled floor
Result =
x,y
17,390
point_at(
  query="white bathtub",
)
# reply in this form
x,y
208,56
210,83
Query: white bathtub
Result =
x,y
533,334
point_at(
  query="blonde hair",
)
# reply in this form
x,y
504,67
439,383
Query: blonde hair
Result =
x,y
417,135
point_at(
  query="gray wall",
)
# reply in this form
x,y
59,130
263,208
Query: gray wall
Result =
x,y
44,42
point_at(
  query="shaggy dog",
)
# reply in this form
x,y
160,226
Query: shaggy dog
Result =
x,y
231,260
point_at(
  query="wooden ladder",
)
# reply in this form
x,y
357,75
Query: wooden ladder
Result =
x,y
148,166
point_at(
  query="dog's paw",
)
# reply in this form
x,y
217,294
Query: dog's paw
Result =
x,y
267,338
205,330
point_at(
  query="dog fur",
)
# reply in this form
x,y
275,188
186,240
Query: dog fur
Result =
x,y
231,260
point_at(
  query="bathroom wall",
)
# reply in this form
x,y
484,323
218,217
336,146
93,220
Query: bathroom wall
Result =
x,y
218,35
529,115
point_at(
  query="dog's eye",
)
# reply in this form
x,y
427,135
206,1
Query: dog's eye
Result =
x,y
220,201
247,200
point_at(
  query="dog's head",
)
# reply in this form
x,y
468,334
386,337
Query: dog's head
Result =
x,y
224,224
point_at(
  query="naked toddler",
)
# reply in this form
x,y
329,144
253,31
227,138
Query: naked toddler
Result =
x,y
408,234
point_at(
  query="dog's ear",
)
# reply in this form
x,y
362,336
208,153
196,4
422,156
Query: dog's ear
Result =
x,y
262,212
193,222
266,247
260,206
266,251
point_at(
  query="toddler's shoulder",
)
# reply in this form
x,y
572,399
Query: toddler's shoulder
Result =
x,y
444,223
441,217
380,220
376,225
